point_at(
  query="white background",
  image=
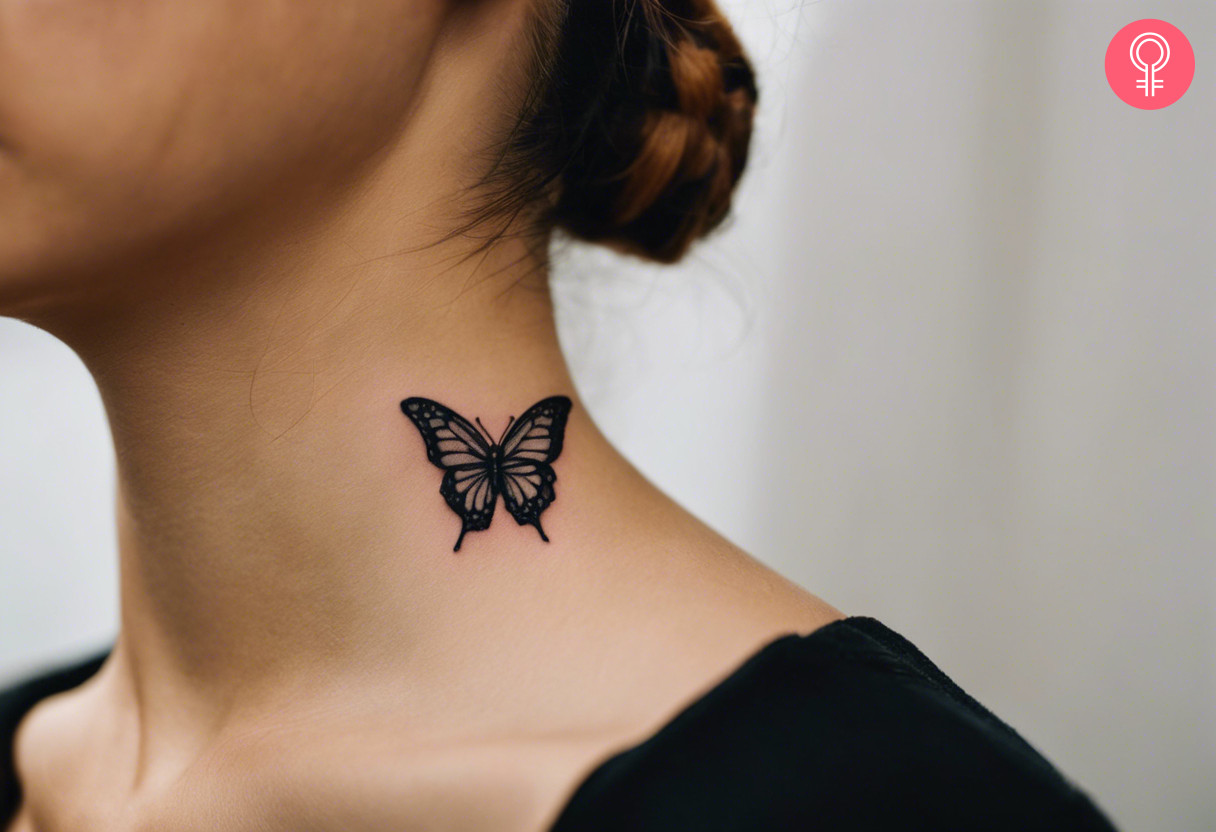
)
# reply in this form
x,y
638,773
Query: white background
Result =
x,y
952,364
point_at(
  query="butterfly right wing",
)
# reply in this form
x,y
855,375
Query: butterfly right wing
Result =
x,y
528,449
465,456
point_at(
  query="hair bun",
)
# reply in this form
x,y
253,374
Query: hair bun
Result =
x,y
663,102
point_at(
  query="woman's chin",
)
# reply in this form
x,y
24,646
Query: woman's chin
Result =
x,y
39,278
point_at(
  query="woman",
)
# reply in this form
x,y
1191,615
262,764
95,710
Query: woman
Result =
x,y
379,570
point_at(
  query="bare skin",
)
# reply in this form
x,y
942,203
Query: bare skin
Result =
x,y
213,204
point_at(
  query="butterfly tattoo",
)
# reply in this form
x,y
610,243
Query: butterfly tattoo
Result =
x,y
477,469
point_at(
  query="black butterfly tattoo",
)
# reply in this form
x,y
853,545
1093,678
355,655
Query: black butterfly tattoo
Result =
x,y
477,469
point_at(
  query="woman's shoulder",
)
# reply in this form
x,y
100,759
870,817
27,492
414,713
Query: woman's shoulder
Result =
x,y
848,727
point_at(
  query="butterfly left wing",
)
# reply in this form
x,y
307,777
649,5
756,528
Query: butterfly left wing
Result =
x,y
528,448
453,444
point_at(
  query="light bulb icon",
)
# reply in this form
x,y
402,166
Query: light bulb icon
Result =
x,y
1150,83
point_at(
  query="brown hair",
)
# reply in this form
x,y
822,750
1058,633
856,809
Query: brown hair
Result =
x,y
634,127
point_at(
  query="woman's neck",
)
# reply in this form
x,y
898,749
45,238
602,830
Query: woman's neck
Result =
x,y
285,552
278,519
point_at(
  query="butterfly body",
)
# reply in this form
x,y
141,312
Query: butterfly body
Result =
x,y
477,469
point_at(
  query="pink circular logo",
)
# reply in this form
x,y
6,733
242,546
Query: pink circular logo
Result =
x,y
1149,64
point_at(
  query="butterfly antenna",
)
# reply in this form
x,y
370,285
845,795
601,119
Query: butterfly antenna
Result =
x,y
477,419
504,430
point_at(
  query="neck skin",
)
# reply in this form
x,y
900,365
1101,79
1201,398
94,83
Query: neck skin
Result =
x,y
277,516
282,538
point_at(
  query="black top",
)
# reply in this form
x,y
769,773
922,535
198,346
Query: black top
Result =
x,y
850,727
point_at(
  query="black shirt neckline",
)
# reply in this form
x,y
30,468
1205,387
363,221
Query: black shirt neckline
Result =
x,y
849,709
734,680
18,700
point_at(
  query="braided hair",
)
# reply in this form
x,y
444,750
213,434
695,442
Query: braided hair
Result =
x,y
634,127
